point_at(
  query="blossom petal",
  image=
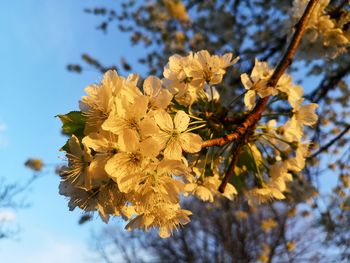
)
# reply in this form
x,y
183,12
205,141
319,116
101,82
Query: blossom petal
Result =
x,y
128,181
204,194
181,121
112,80
140,106
116,167
173,151
74,146
128,141
96,170
132,79
163,99
293,131
152,86
164,232
230,191
249,99
101,141
148,127
247,83
307,114
150,147
113,123
164,120
203,57
191,142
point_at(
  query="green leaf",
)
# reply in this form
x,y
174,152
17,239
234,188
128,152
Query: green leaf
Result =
x,y
248,162
65,147
237,180
73,123
249,159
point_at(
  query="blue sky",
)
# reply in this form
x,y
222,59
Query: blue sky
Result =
x,y
39,38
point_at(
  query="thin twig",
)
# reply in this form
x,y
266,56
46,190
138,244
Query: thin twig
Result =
x,y
328,83
331,142
255,115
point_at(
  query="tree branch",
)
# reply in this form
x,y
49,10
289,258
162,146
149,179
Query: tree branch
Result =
x,y
255,115
331,142
230,170
282,66
328,84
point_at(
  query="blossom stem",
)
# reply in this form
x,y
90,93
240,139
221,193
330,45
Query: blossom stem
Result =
x,y
221,150
197,122
237,97
255,163
272,144
196,128
211,94
274,137
264,149
273,101
194,117
204,165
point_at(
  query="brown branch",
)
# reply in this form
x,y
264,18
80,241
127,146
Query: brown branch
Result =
x,y
234,120
242,133
292,48
249,121
255,115
331,142
280,235
231,168
282,66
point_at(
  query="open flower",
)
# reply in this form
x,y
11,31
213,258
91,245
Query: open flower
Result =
x,y
78,197
210,69
257,83
83,170
173,137
208,189
305,114
97,105
159,98
177,82
297,163
325,34
127,116
128,161
165,216
186,76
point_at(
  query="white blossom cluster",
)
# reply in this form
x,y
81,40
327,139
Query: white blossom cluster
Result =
x,y
134,152
326,35
280,145
130,159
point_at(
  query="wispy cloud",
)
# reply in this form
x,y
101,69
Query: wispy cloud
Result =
x,y
47,247
7,216
59,251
